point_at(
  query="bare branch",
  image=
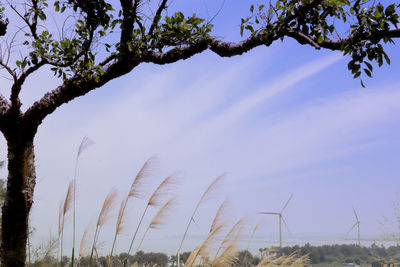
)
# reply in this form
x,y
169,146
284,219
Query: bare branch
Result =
x,y
157,17
112,57
302,38
9,70
17,86
33,26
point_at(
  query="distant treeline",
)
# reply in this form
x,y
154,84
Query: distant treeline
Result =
x,y
376,255
346,253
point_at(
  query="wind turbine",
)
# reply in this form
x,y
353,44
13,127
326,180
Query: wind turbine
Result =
x,y
281,219
356,224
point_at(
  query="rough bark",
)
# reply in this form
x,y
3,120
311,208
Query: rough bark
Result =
x,y
19,196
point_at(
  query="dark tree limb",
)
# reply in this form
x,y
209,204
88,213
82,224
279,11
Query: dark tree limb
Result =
x,y
128,13
75,87
17,86
33,25
157,17
303,39
78,86
338,45
9,70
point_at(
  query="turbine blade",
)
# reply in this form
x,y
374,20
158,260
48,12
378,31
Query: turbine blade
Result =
x,y
287,203
287,227
355,214
274,213
354,225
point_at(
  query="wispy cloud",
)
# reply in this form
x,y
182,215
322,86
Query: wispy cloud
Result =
x,y
206,124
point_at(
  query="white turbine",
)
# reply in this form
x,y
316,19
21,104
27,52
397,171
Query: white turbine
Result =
x,y
358,226
281,219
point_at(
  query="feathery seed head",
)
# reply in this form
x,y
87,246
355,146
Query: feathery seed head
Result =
x,y
139,181
160,218
165,188
108,204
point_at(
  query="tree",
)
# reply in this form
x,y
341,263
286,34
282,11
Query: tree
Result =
x,y
105,42
2,191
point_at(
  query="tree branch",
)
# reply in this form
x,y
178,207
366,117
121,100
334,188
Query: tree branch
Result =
x,y
228,49
79,86
303,39
157,17
75,87
338,45
33,26
129,13
17,86
9,70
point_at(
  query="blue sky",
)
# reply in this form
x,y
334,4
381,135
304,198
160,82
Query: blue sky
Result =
x,y
280,120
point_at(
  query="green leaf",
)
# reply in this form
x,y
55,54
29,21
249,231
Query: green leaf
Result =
x,y
386,58
368,72
377,13
251,8
250,28
368,65
42,16
278,5
390,10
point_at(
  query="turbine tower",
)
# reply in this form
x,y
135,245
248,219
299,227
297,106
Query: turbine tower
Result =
x,y
281,219
358,226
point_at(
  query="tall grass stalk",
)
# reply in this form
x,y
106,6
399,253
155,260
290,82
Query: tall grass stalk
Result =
x,y
136,191
119,226
82,246
86,142
232,236
50,246
155,199
203,249
227,257
292,260
104,216
211,188
251,239
159,219
64,208
220,216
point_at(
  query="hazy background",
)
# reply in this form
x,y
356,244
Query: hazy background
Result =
x,y
280,120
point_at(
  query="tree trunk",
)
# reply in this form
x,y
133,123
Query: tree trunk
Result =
x,y
19,197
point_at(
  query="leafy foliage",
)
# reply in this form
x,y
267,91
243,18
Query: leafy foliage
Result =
x,y
317,23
